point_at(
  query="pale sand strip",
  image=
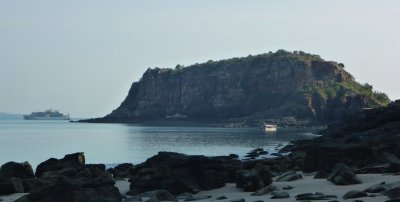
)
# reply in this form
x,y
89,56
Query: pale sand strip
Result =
x,y
306,185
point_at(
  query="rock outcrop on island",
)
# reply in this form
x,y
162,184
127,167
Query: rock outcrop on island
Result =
x,y
285,87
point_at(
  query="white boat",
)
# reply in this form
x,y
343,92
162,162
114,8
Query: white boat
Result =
x,y
49,114
270,127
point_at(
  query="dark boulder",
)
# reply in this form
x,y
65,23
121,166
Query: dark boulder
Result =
x,y
159,195
212,178
343,175
265,190
252,180
375,168
279,195
101,167
251,155
179,173
378,188
77,158
392,190
73,161
385,163
68,172
11,185
123,170
136,198
20,170
316,196
185,196
321,175
393,161
325,155
276,165
256,153
390,158
288,176
277,154
354,194
97,170
262,170
198,197
238,200
30,183
71,166
393,200
287,188
394,167
70,180
75,190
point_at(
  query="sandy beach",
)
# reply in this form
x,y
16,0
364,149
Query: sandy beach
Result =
x,y
305,185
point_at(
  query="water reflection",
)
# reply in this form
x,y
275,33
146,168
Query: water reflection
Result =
x,y
36,141
147,141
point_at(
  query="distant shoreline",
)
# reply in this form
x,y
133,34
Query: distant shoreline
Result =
x,y
202,123
10,116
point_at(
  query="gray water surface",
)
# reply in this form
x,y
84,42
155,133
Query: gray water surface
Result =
x,y
36,141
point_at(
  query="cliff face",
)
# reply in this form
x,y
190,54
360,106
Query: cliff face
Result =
x,y
266,86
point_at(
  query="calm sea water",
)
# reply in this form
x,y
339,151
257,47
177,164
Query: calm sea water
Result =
x,y
36,141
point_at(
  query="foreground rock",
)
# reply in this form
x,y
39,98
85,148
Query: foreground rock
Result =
x,y
279,195
74,161
316,196
256,153
14,177
288,176
266,190
159,195
19,170
75,190
70,180
11,185
252,180
343,175
355,194
179,173
366,141
124,170
392,190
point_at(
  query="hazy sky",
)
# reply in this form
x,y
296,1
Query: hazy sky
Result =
x,y
81,56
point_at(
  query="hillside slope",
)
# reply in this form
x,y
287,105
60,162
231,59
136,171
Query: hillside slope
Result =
x,y
250,89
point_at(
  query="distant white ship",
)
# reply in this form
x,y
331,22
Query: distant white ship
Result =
x,y
270,127
49,114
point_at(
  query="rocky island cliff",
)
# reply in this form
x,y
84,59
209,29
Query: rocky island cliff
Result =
x,y
286,87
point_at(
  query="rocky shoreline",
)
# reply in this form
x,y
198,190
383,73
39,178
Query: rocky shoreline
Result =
x,y
356,160
170,176
286,122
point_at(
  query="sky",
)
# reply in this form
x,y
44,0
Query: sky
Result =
x,y
81,57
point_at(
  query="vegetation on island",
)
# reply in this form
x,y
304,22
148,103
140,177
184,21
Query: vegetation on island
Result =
x,y
256,87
